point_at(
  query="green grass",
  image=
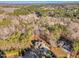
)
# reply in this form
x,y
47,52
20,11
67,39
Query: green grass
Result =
x,y
5,22
69,13
25,10
56,30
16,39
11,53
21,12
1,11
30,9
76,45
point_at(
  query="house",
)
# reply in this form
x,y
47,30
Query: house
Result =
x,y
66,45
